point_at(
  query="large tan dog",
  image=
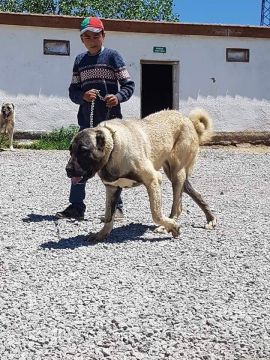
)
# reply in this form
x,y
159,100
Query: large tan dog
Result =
x,y
7,121
131,152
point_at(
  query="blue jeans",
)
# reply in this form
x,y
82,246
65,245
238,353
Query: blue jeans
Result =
x,y
77,196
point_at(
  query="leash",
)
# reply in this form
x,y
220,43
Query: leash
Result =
x,y
93,107
102,98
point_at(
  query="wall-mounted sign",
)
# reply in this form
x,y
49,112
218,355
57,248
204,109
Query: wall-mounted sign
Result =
x,y
159,49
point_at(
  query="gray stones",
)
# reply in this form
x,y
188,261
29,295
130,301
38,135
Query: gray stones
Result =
x,y
139,295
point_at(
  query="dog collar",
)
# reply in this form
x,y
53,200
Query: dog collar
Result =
x,y
110,130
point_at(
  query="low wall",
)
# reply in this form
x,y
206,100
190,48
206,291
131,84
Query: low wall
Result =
x,y
219,138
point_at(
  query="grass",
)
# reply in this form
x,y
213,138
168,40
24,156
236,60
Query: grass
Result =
x,y
58,139
4,143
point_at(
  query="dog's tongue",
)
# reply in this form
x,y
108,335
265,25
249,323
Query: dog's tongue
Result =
x,y
76,179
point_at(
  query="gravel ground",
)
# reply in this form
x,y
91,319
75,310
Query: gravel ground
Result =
x,y
137,295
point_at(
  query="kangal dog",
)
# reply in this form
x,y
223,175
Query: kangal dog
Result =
x,y
126,153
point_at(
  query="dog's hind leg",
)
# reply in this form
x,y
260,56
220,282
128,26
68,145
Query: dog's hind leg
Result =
x,y
177,186
112,197
154,192
196,196
177,181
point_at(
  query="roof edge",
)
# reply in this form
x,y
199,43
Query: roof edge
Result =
x,y
136,26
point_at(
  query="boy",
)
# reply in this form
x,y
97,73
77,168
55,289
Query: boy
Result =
x,y
100,82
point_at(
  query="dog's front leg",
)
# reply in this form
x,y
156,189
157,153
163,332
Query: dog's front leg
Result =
x,y
197,197
112,197
10,135
154,193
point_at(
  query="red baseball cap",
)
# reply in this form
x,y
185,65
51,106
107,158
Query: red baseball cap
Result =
x,y
93,24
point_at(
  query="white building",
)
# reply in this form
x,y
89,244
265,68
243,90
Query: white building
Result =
x,y
224,69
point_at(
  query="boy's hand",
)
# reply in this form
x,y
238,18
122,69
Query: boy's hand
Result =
x,y
111,100
90,95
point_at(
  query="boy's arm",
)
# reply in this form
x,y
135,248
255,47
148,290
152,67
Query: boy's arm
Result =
x,y
127,85
75,92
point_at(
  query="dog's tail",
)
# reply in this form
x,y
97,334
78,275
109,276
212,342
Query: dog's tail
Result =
x,y
202,123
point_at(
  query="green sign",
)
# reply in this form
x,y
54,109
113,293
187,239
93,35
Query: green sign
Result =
x,y
159,49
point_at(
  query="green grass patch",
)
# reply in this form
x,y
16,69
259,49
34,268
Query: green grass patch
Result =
x,y
58,139
4,142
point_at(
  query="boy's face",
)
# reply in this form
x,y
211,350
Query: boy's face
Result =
x,y
93,41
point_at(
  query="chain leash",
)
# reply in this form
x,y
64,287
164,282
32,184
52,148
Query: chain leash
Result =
x,y
93,107
92,113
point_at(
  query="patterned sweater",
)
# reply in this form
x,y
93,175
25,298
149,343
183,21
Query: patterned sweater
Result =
x,y
105,71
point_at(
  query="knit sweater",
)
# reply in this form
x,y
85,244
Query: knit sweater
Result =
x,y
106,72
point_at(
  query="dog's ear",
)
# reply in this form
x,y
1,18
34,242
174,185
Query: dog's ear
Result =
x,y
100,139
13,106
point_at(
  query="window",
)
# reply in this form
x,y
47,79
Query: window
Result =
x,y
237,55
56,47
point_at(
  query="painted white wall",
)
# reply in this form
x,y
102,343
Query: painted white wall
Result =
x,y
239,100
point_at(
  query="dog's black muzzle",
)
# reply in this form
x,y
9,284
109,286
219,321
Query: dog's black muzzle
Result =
x,y
6,113
85,175
71,172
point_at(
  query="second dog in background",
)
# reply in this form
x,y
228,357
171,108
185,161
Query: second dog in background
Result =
x,y
7,122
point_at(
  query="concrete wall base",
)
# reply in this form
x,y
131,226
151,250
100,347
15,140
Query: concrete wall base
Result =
x,y
233,138
219,138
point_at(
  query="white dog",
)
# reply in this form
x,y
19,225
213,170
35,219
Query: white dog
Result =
x,y
7,121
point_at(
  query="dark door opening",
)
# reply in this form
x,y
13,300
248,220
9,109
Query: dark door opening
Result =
x,y
157,88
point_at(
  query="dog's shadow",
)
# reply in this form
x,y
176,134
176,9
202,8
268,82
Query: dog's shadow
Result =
x,y
126,233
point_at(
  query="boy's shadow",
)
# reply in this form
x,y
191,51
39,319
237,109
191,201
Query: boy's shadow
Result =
x,y
130,232
38,218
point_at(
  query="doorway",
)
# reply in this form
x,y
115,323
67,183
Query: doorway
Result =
x,y
158,87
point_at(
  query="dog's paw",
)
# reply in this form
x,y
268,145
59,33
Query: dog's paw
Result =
x,y
172,227
96,237
211,224
175,231
93,238
160,230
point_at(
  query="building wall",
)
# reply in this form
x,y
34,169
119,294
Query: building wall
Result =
x,y
238,100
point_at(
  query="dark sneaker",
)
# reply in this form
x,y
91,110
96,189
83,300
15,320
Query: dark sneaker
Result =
x,y
71,212
118,217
